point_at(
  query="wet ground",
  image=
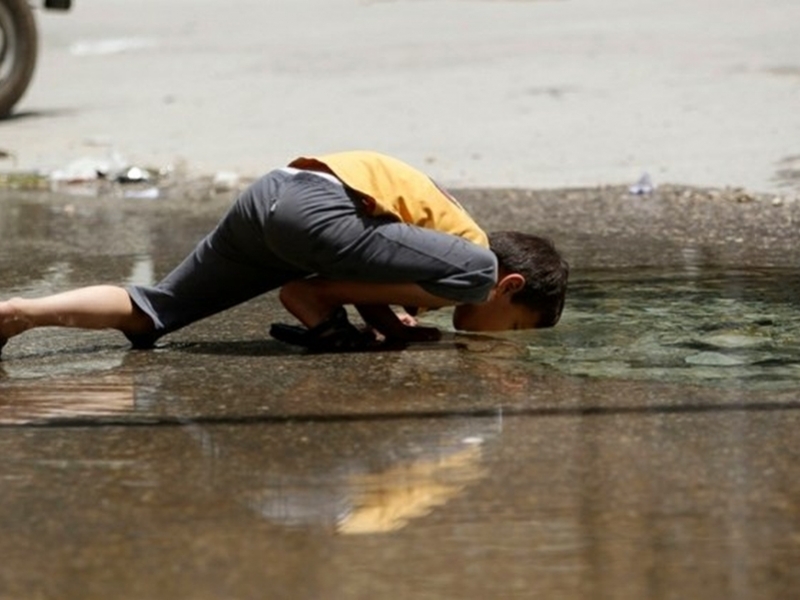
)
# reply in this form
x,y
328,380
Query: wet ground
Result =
x,y
644,448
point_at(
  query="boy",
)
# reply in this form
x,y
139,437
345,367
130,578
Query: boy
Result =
x,y
355,228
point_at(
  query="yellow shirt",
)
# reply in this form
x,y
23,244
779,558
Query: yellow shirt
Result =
x,y
390,186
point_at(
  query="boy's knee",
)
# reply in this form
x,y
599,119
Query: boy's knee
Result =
x,y
140,330
288,293
137,323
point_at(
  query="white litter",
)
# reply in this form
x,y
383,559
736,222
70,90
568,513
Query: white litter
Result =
x,y
643,186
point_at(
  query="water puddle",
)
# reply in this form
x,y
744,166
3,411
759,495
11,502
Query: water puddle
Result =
x,y
58,398
657,421
722,327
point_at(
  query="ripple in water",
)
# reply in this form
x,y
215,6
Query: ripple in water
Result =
x,y
728,328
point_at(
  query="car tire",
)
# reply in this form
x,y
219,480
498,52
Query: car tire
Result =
x,y
18,46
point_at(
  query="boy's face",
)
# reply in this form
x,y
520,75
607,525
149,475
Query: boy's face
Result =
x,y
494,315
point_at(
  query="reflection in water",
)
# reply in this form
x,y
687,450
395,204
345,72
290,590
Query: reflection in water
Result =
x,y
52,245
142,271
383,474
402,471
96,395
93,360
372,502
739,327
387,501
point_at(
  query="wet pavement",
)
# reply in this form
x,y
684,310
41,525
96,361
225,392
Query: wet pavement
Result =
x,y
644,448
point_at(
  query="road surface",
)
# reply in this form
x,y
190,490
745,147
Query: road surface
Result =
x,y
477,92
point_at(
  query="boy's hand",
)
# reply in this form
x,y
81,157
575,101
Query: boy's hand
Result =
x,y
398,328
336,334
407,319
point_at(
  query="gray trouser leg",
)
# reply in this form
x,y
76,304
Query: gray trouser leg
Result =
x,y
230,266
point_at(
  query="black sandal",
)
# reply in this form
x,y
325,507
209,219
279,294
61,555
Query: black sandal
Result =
x,y
335,334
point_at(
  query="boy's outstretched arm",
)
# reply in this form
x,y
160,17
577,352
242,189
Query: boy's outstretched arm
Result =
x,y
313,300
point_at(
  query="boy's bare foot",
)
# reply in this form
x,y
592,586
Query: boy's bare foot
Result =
x,y
12,321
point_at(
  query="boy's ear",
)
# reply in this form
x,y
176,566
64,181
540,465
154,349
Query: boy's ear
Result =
x,y
510,284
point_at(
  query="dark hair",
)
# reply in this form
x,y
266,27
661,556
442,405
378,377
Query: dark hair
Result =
x,y
544,270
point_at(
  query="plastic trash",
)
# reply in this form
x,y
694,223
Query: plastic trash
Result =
x,y
133,175
98,175
81,170
91,168
643,186
225,181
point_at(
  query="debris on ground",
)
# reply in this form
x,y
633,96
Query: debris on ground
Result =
x,y
643,186
134,175
225,181
90,168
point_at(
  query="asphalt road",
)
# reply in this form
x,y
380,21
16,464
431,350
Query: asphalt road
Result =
x,y
479,93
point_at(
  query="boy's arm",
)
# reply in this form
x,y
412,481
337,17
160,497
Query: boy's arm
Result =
x,y
384,319
313,300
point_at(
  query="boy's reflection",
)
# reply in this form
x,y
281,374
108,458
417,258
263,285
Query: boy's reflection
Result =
x,y
360,476
34,401
355,500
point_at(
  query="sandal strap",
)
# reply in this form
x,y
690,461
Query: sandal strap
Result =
x,y
334,334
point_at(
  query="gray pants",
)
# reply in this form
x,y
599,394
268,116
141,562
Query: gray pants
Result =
x,y
289,226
